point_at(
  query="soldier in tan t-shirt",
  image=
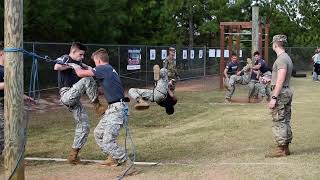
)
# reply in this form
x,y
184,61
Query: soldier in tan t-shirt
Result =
x,y
170,64
280,103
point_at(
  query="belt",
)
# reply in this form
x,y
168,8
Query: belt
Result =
x,y
283,87
125,99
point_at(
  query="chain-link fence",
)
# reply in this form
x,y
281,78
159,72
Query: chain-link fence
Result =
x,y
191,63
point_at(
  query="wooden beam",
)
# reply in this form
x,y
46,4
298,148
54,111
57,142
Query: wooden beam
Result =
x,y
238,42
243,25
222,64
13,101
260,38
266,43
255,29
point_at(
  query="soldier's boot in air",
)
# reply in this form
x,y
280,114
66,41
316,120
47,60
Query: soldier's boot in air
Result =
x,y
156,72
141,104
73,157
280,151
110,162
99,108
172,84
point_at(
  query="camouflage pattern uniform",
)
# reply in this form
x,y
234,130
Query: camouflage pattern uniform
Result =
x,y
257,88
158,94
235,79
170,65
70,97
281,114
109,128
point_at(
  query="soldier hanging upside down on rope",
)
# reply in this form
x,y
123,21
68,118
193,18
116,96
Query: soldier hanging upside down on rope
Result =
x,y
162,93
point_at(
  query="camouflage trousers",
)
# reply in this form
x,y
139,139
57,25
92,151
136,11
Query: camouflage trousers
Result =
x,y
258,89
281,116
70,97
234,79
157,94
108,129
1,127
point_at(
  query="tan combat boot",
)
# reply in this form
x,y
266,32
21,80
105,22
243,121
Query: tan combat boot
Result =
x,y
227,100
277,152
99,108
110,162
133,170
286,150
73,157
141,105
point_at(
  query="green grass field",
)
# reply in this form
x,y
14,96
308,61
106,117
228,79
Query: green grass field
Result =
x,y
204,139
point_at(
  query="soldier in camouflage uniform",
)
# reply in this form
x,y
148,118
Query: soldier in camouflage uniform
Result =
x,y
71,90
170,64
116,116
257,88
280,103
161,94
241,77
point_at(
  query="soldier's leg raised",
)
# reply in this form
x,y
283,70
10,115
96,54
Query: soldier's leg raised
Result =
x,y
69,96
141,96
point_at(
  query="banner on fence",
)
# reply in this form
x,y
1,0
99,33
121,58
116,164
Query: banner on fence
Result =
x,y
134,58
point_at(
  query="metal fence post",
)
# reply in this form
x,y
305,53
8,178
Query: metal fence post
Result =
x,y
146,66
119,60
204,61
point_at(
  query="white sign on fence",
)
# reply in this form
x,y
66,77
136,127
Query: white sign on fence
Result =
x,y
200,54
184,54
152,54
218,53
212,53
163,54
192,54
226,53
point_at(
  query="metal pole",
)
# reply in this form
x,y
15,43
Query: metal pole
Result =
x,y
119,61
146,66
204,61
13,102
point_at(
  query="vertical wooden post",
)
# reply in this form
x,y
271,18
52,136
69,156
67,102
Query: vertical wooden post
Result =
x,y
222,65
238,42
230,42
255,28
266,43
260,38
13,101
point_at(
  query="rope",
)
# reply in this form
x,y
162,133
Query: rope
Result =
x,y
128,135
46,58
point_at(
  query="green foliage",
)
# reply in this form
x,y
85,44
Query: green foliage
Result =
x,y
160,22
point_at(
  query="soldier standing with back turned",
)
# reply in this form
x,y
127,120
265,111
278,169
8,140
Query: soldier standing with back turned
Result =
x,y
280,103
